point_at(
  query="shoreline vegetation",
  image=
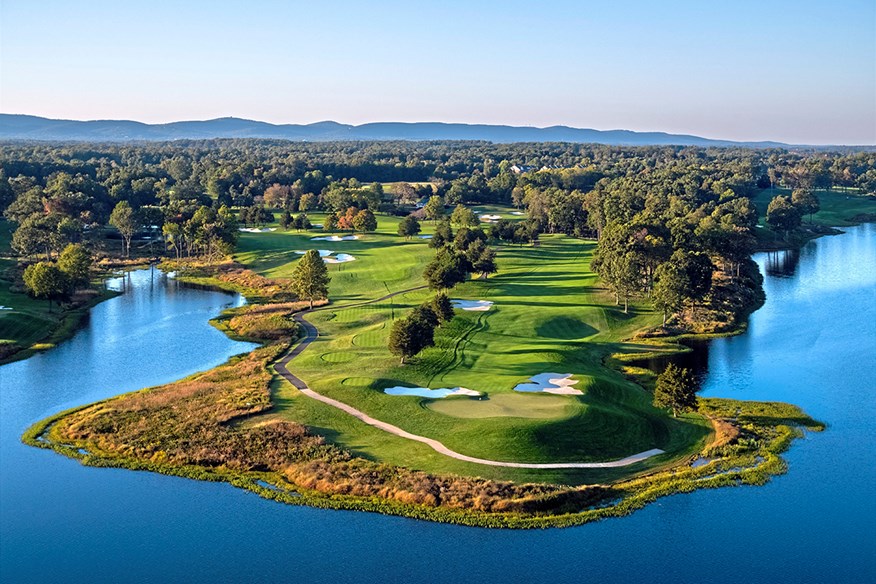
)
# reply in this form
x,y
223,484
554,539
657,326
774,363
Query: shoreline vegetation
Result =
x,y
240,443
68,318
594,247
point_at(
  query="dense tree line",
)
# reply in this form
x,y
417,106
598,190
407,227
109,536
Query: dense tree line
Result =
x,y
663,215
94,177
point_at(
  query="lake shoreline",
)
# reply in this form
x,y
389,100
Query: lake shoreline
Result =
x,y
730,468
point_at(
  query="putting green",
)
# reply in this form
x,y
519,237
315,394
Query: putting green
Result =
x,y
507,405
550,314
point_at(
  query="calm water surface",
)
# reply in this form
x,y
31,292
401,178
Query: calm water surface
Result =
x,y
812,344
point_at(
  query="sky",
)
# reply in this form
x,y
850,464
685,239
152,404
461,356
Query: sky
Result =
x,y
801,71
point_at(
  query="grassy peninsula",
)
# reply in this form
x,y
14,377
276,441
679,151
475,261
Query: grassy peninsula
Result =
x,y
566,274
256,431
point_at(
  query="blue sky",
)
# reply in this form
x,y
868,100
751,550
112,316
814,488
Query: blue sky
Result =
x,y
801,72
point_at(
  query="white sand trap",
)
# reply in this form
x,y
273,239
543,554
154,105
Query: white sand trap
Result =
x,y
341,258
316,225
322,252
439,393
335,238
257,230
426,236
5,308
473,305
518,213
490,217
557,383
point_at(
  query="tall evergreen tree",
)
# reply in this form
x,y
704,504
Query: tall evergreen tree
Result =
x,y
310,277
676,389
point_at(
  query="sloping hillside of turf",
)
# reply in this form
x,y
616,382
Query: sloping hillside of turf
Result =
x,y
549,316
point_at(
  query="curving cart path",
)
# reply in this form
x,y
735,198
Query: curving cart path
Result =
x,y
311,333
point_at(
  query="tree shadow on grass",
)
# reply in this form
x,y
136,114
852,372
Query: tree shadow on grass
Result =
x,y
564,327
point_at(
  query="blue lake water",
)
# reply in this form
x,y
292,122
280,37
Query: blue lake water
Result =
x,y
812,344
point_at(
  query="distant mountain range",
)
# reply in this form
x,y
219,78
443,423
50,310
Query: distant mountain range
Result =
x,y
24,127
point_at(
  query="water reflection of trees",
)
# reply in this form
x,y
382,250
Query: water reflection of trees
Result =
x,y
697,360
782,264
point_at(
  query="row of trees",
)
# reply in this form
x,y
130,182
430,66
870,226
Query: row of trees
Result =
x,y
416,331
300,222
60,194
203,231
458,255
351,219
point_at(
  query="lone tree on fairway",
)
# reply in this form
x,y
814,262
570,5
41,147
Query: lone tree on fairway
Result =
x,y
409,227
125,219
311,278
75,262
409,336
676,389
286,220
45,280
302,222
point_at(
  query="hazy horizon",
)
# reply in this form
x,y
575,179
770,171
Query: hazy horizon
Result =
x,y
794,72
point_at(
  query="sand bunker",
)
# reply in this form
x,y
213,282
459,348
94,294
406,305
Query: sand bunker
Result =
x,y
322,252
326,255
473,305
439,393
335,238
518,213
490,217
5,308
256,229
425,236
557,383
339,259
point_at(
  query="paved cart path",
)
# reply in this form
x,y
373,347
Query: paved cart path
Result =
x,y
310,335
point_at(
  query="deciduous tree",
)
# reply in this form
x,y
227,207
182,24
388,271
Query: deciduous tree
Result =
x,y
75,262
782,215
434,208
463,216
409,227
45,280
125,219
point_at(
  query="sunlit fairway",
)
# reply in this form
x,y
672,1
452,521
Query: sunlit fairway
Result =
x,y
385,262
838,208
548,316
